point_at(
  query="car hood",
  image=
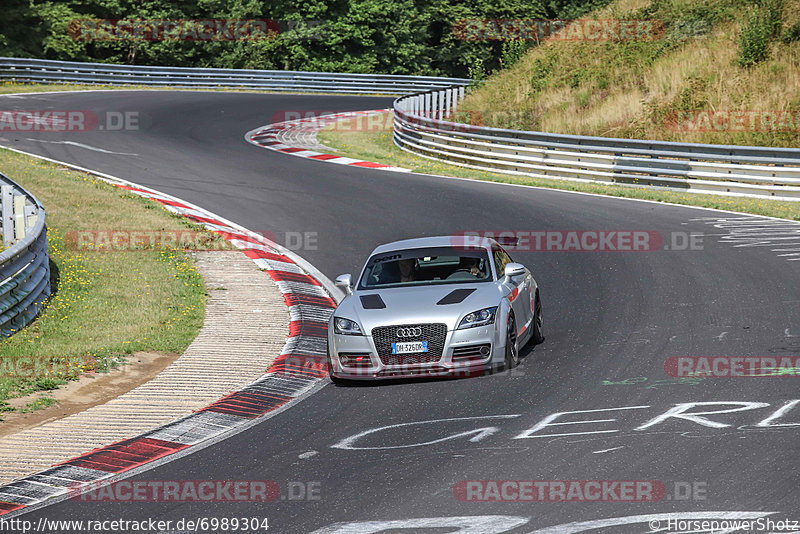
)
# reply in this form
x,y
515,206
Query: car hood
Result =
x,y
446,303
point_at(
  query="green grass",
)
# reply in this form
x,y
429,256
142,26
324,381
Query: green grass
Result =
x,y
38,404
13,87
106,304
378,146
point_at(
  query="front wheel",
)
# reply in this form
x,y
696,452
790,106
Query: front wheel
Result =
x,y
537,336
338,381
512,355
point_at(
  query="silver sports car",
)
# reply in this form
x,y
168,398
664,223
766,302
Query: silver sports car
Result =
x,y
434,306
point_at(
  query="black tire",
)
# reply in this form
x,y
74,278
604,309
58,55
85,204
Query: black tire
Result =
x,y
512,354
338,381
537,336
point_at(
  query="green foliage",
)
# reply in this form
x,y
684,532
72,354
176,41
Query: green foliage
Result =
x,y
542,69
512,52
761,27
38,404
368,36
47,384
791,34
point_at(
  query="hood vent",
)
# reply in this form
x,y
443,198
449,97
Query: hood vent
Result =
x,y
456,296
372,302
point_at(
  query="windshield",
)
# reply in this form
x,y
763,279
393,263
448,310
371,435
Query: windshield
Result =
x,y
426,266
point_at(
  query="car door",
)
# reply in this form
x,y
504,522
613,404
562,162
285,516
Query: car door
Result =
x,y
520,292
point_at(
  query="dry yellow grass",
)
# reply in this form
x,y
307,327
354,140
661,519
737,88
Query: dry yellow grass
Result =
x,y
632,88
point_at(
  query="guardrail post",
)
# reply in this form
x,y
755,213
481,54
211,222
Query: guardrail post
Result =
x,y
7,212
19,217
453,100
427,106
435,105
461,92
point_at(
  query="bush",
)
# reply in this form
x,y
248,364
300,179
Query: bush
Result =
x,y
762,26
512,52
791,34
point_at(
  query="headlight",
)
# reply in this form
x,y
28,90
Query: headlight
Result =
x,y
478,318
346,327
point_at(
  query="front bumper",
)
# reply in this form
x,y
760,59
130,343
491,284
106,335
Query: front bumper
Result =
x,y
357,358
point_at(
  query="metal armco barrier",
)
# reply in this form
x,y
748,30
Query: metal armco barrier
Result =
x,y
45,71
24,262
420,127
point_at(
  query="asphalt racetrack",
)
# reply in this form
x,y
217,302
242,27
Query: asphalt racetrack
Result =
x,y
389,455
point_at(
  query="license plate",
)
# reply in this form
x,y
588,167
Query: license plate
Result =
x,y
406,347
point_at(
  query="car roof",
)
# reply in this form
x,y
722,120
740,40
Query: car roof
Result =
x,y
436,241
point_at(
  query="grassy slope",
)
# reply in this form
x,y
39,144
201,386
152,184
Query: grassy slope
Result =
x,y
106,304
628,89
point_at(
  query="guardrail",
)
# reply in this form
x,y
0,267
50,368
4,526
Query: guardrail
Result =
x,y
24,261
46,71
420,127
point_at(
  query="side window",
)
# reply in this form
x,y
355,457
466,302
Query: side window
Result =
x,y
506,258
501,259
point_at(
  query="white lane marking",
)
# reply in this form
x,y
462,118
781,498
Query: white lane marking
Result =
x,y
497,524
482,524
780,413
308,454
480,433
548,421
655,522
81,145
607,450
779,235
721,336
679,411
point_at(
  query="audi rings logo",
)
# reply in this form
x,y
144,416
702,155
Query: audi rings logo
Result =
x,y
415,331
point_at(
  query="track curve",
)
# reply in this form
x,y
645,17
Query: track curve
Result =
x,y
609,316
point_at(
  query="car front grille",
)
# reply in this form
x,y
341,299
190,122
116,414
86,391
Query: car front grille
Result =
x,y
434,334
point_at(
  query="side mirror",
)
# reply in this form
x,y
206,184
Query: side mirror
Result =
x,y
512,270
345,281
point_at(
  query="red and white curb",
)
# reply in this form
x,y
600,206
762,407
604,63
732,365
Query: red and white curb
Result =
x,y
308,294
269,137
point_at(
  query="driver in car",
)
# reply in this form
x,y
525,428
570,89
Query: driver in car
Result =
x,y
472,265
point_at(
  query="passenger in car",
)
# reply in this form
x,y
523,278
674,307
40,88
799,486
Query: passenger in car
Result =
x,y
407,273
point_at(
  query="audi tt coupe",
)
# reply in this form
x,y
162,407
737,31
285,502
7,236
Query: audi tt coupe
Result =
x,y
433,306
